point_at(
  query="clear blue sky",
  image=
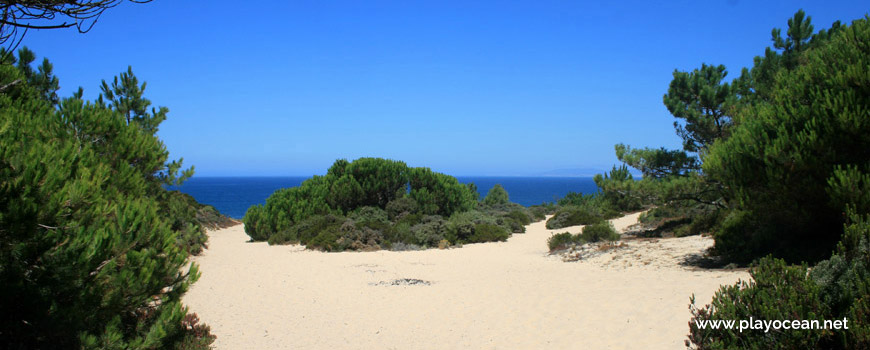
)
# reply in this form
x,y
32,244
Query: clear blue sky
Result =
x,y
463,87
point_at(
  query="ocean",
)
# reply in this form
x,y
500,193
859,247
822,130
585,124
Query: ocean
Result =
x,y
233,195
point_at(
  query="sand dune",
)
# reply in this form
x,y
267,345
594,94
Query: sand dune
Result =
x,y
508,295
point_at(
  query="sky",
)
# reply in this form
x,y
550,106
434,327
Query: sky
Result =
x,y
468,88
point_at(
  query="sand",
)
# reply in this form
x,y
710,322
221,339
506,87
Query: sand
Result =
x,y
507,295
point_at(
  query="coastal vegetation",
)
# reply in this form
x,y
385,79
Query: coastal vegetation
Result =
x,y
597,232
374,203
94,248
774,165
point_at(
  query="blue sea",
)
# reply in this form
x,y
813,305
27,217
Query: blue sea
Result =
x,y
233,195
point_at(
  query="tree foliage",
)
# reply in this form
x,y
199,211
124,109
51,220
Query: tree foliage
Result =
x,y
496,196
703,101
801,159
657,163
837,288
93,248
796,174
366,182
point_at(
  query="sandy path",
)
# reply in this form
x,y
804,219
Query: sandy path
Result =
x,y
508,295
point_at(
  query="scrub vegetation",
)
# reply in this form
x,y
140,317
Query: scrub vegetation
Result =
x,y
374,203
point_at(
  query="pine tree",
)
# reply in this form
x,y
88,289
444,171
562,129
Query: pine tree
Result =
x,y
89,257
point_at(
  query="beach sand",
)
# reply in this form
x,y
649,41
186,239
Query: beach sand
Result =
x,y
506,295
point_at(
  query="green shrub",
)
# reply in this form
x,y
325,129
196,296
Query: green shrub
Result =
x,y
488,233
496,196
460,226
358,236
521,217
572,216
658,214
373,183
618,189
326,240
411,219
183,212
428,232
401,206
540,212
601,231
798,157
255,224
304,231
440,194
511,224
562,240
369,214
834,289
94,250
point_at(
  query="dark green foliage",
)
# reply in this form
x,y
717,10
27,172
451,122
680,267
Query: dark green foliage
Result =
x,y
496,196
485,232
93,247
679,221
540,212
597,232
800,159
477,226
41,80
601,231
367,235
428,232
562,241
384,202
703,101
440,194
835,289
365,182
326,240
653,163
197,337
182,212
777,292
460,226
518,219
373,215
618,190
307,229
374,180
255,223
572,216
579,209
401,206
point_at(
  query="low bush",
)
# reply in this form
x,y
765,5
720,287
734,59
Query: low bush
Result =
x,y
460,226
602,231
401,206
195,335
572,216
326,240
307,229
358,236
496,195
256,225
349,208
562,240
488,233
429,231
682,220
369,215
834,289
